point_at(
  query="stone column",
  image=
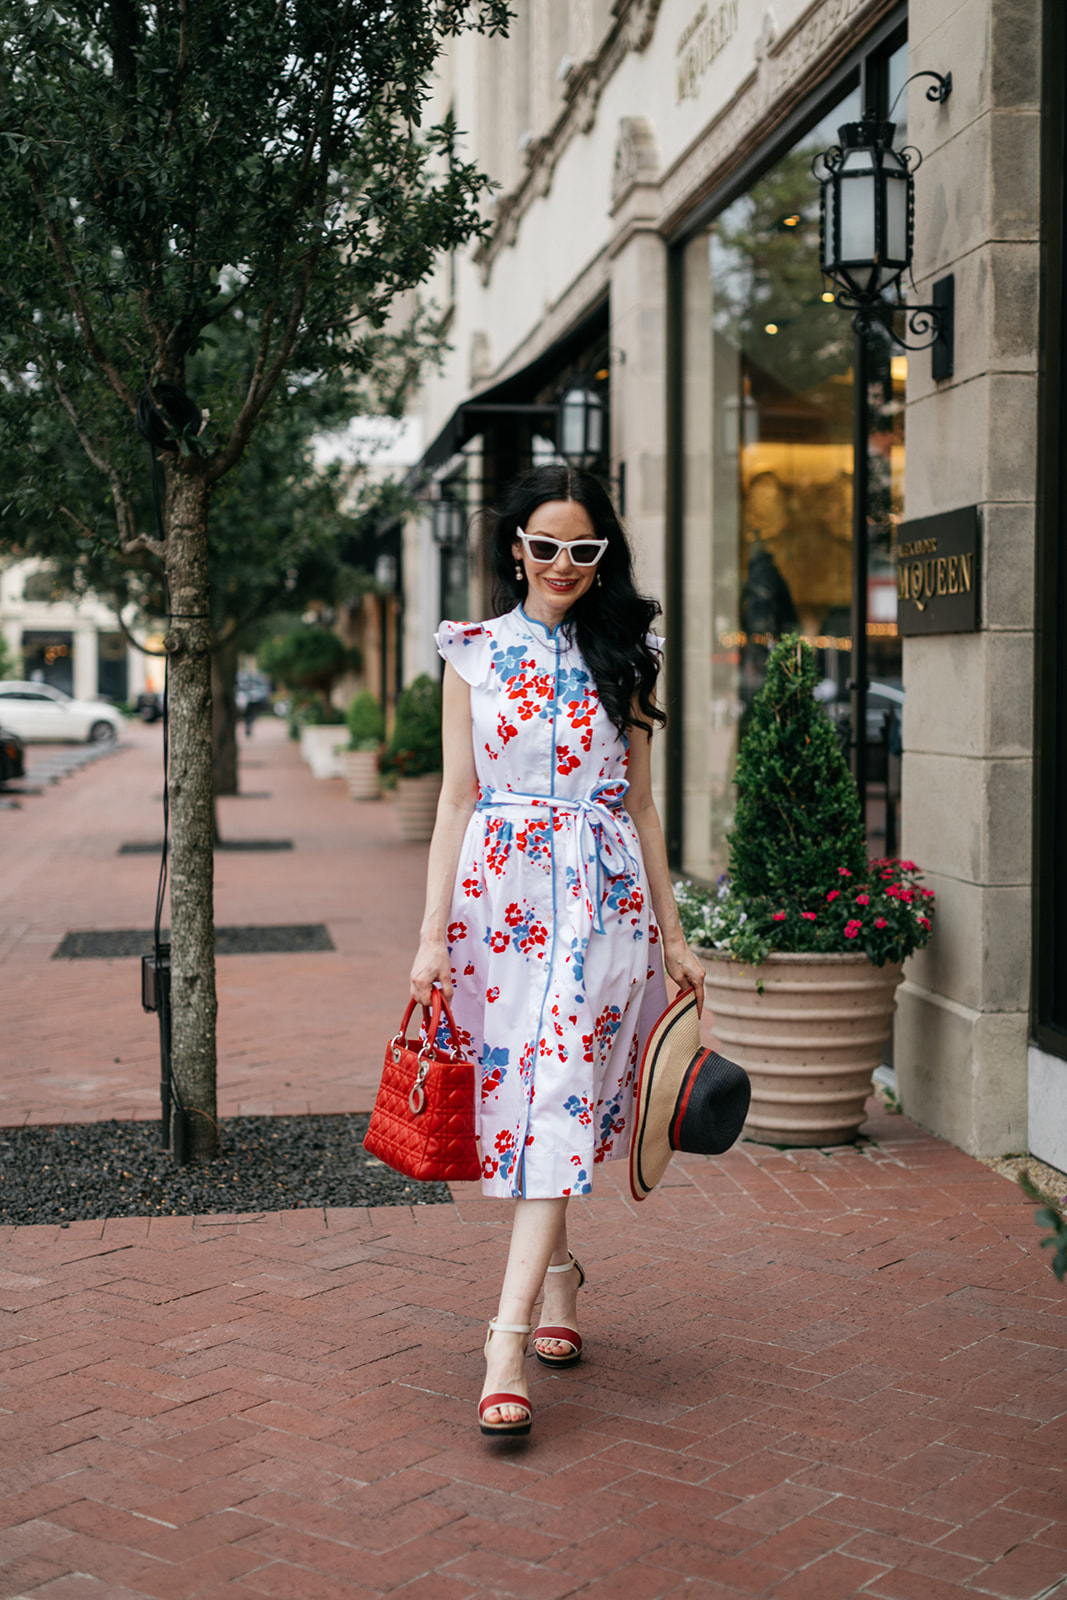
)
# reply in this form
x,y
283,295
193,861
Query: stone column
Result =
x,y
86,662
961,1042
638,363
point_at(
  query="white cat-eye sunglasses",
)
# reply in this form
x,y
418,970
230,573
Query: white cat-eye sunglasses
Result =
x,y
543,550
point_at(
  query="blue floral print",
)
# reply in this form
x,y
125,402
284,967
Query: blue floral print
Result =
x,y
555,1010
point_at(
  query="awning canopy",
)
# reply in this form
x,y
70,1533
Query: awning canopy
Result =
x,y
512,398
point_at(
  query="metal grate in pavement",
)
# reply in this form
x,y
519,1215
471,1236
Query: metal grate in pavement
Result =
x,y
99,944
152,847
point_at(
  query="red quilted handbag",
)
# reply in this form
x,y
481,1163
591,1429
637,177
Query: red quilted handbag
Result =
x,y
423,1119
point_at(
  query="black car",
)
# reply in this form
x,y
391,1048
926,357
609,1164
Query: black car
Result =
x,y
12,757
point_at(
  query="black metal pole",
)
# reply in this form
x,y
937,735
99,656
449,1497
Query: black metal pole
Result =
x,y
860,470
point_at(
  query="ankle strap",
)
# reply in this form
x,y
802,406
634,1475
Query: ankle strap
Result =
x,y
566,1267
510,1327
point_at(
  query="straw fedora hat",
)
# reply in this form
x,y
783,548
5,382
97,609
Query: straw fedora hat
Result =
x,y
687,1097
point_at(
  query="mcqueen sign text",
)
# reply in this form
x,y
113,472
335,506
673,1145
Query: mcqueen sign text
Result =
x,y
937,573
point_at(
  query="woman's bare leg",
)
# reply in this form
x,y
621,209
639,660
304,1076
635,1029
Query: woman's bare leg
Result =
x,y
559,1307
536,1232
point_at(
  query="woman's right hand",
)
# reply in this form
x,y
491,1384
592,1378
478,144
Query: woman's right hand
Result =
x,y
431,966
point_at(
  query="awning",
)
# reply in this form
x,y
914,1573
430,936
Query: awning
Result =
x,y
511,398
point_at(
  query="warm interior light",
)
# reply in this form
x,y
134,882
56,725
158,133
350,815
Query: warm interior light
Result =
x,y
793,221
602,374
772,327
828,297
898,368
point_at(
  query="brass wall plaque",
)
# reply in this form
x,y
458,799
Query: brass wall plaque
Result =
x,y
937,573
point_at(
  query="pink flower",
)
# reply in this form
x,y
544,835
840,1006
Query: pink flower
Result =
x,y
863,899
845,873
852,929
924,922
809,916
779,916
908,866
833,894
880,922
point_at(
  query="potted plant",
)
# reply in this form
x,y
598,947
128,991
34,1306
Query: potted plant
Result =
x,y
366,730
312,659
413,757
804,941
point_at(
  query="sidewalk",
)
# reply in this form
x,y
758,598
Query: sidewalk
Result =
x,y
810,1375
297,1033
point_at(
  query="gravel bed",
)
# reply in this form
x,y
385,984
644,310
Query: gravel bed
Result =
x,y
116,1169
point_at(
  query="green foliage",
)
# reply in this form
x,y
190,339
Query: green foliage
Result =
x,y
366,725
799,876
229,198
1050,1216
415,743
307,658
798,818
10,665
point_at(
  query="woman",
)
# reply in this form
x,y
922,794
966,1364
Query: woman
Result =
x,y
546,852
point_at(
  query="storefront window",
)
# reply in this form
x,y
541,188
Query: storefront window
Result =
x,y
767,375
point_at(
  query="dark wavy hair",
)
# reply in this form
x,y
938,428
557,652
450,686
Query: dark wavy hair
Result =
x,y
609,622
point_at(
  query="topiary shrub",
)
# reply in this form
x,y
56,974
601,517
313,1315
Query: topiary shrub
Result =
x,y
309,658
799,877
797,818
414,745
366,725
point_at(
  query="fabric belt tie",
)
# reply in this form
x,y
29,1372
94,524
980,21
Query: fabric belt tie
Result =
x,y
600,831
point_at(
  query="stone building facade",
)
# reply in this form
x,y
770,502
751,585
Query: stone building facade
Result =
x,y
654,240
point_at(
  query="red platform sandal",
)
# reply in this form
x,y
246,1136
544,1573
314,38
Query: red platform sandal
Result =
x,y
499,1430
561,1335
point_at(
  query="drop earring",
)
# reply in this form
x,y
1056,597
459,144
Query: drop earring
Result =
x,y
599,584
518,572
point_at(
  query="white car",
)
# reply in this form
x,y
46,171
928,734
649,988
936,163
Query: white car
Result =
x,y
37,711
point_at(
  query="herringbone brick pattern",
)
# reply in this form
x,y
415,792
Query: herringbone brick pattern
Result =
x,y
809,1375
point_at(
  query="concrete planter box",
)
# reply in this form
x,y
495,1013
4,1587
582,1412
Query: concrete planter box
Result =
x,y
416,806
361,773
810,1042
321,748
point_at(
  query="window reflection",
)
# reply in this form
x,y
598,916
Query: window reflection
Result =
x,y
767,506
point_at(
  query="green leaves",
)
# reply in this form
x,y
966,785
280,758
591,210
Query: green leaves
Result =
x,y
798,817
1048,1217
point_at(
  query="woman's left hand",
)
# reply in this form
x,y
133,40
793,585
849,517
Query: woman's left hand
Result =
x,y
684,969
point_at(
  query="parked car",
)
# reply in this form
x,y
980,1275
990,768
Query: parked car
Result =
x,y
12,757
37,711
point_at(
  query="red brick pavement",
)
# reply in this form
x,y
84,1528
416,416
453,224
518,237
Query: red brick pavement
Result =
x,y
809,1374
297,1033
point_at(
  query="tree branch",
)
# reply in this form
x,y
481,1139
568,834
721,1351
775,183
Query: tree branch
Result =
x,y
77,299
116,603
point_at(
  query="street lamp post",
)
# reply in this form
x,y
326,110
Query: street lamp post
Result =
x,y
866,236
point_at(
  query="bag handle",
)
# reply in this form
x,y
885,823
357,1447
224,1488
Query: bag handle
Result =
x,y
431,1021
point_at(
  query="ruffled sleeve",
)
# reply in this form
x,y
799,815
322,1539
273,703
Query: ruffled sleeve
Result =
x,y
467,645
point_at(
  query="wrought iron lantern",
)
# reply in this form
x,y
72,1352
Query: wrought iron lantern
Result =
x,y
581,425
449,523
867,212
866,226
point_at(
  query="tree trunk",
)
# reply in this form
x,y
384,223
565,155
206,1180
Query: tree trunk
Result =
x,y
224,717
192,916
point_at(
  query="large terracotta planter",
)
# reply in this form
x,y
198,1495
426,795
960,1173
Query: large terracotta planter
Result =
x,y
321,746
416,806
809,1042
361,773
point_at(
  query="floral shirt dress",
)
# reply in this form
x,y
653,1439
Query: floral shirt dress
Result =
x,y
555,956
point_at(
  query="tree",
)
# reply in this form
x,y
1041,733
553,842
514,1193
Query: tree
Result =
x,y
798,823
169,168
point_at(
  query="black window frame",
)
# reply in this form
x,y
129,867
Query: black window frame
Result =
x,y
1049,997
865,66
